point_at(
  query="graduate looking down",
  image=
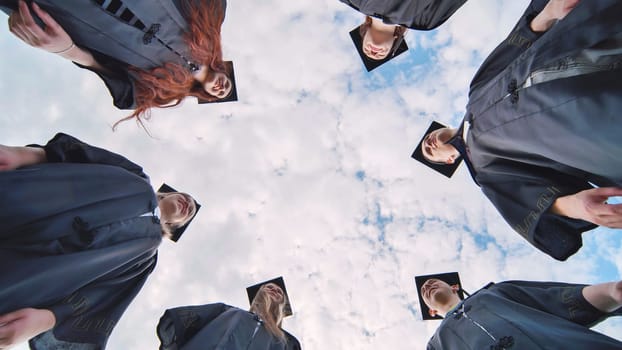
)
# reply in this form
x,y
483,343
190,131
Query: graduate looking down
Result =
x,y
149,54
543,124
221,326
380,37
520,314
80,229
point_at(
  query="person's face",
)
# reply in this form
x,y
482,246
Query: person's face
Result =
x,y
275,292
377,44
437,293
217,84
436,149
176,208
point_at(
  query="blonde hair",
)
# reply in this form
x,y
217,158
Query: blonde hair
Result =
x,y
271,313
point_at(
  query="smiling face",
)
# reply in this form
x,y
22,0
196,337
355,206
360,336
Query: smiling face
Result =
x,y
377,44
438,294
176,208
274,292
217,84
436,149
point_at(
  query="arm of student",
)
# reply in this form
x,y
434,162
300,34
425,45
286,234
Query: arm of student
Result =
x,y
523,196
179,324
53,38
64,148
553,11
563,300
590,205
12,158
21,325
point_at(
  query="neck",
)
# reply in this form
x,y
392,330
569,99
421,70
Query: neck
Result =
x,y
201,74
378,25
444,309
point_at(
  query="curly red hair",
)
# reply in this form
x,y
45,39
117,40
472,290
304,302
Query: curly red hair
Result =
x,y
168,85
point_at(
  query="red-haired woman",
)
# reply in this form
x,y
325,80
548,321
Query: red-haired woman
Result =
x,y
149,53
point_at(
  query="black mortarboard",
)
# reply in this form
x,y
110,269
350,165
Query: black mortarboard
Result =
x,y
399,47
445,169
450,278
233,95
180,230
252,292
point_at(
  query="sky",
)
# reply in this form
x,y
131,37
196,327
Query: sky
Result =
x,y
309,175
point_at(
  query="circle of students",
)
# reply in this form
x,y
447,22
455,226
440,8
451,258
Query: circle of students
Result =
x,y
533,90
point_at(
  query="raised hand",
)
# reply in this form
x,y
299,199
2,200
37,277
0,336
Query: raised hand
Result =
x,y
52,39
590,205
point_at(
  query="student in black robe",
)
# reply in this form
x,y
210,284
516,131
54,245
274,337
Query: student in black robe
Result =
x,y
520,314
149,54
221,326
380,37
80,229
543,124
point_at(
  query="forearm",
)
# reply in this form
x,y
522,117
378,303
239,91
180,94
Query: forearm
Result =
x,y
542,22
563,206
591,205
606,297
14,157
553,11
82,57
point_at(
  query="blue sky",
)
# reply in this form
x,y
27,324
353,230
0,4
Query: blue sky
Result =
x,y
309,175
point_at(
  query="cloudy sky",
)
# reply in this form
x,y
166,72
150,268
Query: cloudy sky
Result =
x,y
309,175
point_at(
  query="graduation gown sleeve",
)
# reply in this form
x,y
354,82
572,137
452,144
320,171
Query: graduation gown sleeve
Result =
x,y
523,198
117,79
85,319
178,325
63,148
563,300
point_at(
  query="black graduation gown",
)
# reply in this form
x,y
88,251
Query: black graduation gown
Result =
x,y
523,315
414,14
217,326
115,44
531,145
73,240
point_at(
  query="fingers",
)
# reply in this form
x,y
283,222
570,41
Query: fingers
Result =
x,y
23,25
10,317
51,26
607,191
7,328
608,215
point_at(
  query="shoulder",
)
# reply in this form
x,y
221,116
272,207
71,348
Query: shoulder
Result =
x,y
292,342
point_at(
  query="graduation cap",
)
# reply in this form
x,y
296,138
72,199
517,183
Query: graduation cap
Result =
x,y
233,94
445,169
180,230
450,278
254,289
398,48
